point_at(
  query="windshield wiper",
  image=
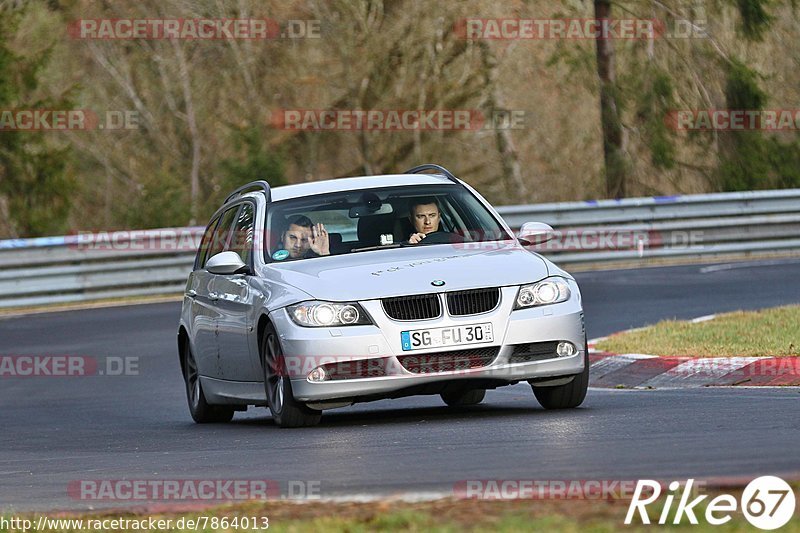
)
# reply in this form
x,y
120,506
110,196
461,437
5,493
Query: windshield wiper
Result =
x,y
379,247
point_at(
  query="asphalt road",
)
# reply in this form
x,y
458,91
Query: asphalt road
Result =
x,y
137,427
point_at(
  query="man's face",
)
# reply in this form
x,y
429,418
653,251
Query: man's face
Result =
x,y
296,240
425,218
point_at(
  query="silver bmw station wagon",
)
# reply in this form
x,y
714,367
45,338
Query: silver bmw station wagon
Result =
x,y
319,295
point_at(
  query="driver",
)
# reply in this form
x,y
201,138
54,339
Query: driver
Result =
x,y
425,216
303,238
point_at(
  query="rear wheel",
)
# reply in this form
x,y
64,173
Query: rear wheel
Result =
x,y
202,412
286,411
565,396
462,398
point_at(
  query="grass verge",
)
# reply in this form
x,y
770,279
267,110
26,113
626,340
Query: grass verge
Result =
x,y
766,333
440,516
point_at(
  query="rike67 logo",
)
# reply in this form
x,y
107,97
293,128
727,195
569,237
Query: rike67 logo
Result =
x,y
768,502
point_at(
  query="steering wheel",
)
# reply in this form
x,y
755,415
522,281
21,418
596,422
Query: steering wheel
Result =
x,y
442,237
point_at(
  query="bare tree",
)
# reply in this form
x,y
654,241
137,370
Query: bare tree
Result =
x,y
191,121
509,158
613,135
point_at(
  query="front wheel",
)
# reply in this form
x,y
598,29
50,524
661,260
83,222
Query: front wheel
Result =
x,y
286,411
565,396
202,412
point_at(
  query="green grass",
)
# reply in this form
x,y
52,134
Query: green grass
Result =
x,y
766,333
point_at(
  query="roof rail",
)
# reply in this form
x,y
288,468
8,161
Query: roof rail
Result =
x,y
423,168
260,184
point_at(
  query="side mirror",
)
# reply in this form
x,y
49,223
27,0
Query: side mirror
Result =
x,y
535,233
226,263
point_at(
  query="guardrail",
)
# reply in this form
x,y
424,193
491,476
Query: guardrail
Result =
x,y
635,230
96,266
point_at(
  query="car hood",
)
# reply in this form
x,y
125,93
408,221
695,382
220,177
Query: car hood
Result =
x,y
397,272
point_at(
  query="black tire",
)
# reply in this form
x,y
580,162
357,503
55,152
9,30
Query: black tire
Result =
x,y
565,396
463,398
286,411
202,412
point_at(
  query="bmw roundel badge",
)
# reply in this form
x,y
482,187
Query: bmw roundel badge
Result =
x,y
437,282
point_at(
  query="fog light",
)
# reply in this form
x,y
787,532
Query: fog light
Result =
x,y
565,349
317,375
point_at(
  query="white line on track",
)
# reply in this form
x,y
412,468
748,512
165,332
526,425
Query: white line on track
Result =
x,y
735,266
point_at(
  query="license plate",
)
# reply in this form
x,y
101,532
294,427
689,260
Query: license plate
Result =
x,y
449,336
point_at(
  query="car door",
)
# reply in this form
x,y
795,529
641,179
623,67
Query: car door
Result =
x,y
234,305
198,287
205,313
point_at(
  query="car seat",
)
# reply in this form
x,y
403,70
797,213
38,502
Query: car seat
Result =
x,y
403,228
335,243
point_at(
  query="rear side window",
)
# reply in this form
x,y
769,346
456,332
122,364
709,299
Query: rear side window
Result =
x,y
241,240
221,234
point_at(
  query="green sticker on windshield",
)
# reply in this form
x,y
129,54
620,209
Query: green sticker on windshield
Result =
x,y
280,255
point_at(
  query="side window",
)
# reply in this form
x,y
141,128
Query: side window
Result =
x,y
219,238
205,244
241,241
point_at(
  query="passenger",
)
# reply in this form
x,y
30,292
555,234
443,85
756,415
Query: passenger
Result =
x,y
304,239
425,216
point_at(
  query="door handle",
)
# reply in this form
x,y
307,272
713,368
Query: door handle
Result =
x,y
214,296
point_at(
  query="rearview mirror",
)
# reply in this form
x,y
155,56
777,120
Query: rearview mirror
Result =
x,y
226,263
370,204
364,210
535,233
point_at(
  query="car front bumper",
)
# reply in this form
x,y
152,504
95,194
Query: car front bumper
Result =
x,y
307,348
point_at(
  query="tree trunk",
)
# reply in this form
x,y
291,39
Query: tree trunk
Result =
x,y
194,134
613,137
7,227
509,158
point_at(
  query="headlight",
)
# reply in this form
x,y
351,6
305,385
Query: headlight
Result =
x,y
546,292
326,314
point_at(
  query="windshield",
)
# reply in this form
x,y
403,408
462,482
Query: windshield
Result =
x,y
374,219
